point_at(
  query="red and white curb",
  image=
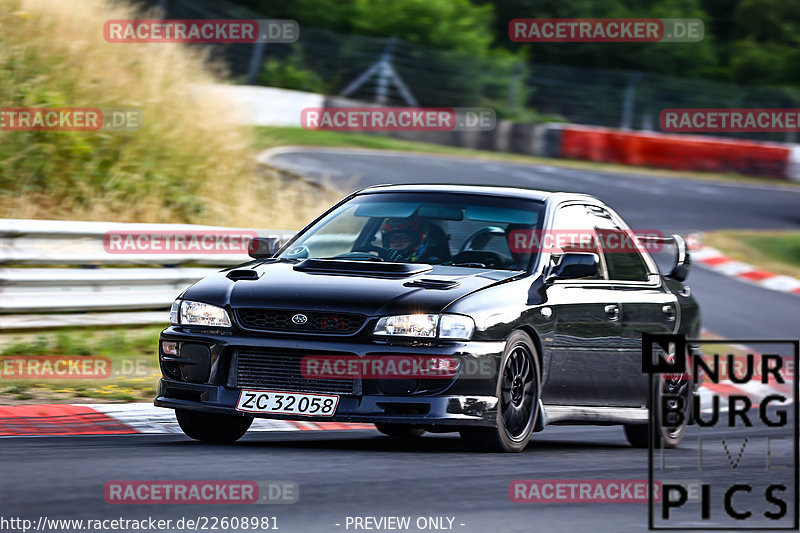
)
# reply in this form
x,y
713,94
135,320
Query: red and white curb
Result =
x,y
718,262
143,418
123,419
754,389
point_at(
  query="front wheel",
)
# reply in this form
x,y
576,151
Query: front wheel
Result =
x,y
212,427
518,391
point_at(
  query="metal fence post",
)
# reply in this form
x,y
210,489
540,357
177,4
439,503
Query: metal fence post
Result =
x,y
626,122
255,61
513,89
386,74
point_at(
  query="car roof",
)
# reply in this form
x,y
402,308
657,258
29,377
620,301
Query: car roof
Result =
x,y
485,190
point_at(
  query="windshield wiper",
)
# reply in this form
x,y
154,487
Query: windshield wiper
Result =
x,y
470,265
276,260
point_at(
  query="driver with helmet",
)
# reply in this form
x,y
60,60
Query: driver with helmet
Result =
x,y
406,237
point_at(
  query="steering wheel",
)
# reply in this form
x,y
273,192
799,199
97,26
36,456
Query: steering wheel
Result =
x,y
481,236
387,254
487,258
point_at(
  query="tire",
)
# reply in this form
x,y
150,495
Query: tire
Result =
x,y
211,427
664,436
400,431
518,392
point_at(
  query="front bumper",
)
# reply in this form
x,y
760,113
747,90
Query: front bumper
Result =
x,y
467,400
425,411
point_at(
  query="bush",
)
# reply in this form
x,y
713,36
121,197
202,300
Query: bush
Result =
x,y
187,162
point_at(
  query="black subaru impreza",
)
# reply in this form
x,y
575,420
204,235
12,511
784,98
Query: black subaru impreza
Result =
x,y
487,311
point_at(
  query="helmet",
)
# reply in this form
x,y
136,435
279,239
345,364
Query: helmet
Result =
x,y
406,236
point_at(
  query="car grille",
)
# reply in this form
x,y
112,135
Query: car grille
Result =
x,y
316,322
281,371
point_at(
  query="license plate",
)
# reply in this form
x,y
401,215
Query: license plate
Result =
x,y
287,403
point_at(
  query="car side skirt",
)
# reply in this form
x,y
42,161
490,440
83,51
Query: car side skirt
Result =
x,y
591,415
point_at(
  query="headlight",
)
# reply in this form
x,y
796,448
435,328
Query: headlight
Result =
x,y
427,326
200,314
408,325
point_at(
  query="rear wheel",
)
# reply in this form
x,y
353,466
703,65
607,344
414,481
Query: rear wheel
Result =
x,y
212,427
670,429
400,431
518,390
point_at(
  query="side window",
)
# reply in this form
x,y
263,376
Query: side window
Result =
x,y
572,232
623,259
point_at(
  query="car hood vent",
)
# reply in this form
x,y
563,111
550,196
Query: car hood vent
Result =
x,y
236,275
361,268
440,284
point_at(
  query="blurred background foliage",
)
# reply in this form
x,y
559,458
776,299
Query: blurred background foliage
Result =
x,y
457,53
746,41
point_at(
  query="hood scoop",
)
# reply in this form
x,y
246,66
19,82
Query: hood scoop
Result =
x,y
361,268
238,274
439,284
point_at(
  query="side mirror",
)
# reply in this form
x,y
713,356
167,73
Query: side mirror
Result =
x,y
683,261
575,265
263,247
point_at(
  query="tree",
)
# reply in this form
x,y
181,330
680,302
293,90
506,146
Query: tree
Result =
x,y
454,25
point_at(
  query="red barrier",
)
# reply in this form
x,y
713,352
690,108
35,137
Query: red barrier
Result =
x,y
676,152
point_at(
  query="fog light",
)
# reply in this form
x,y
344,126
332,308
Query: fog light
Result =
x,y
444,366
169,348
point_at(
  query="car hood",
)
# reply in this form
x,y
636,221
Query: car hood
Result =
x,y
376,292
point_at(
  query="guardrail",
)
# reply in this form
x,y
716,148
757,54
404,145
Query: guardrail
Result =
x,y
58,273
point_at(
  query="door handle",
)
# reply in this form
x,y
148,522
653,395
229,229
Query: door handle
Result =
x,y
612,312
669,312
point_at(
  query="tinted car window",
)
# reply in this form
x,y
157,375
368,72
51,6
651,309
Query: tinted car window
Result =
x,y
619,248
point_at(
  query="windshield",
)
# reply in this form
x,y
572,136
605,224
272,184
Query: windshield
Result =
x,y
439,229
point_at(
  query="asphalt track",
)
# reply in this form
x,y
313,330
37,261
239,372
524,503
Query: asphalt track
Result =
x,y
360,473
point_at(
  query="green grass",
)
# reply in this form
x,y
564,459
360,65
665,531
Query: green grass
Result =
x,y
774,251
271,137
268,137
132,352
783,248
